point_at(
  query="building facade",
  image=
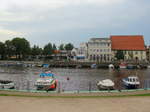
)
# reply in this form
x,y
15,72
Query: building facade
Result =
x,y
99,50
81,52
133,47
148,53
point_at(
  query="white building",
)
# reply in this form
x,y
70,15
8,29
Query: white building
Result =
x,y
99,50
81,52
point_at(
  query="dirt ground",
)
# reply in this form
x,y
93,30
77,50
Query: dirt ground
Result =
x,y
27,104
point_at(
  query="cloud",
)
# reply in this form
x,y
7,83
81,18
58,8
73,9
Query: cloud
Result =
x,y
6,4
8,34
41,21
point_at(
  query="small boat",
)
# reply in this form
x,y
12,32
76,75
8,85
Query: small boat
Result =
x,y
131,82
123,66
46,82
45,65
106,84
148,66
111,66
130,66
93,66
5,84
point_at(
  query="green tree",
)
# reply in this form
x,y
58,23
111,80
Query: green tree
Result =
x,y
69,46
61,47
54,47
9,48
131,55
119,55
36,50
48,49
21,47
2,50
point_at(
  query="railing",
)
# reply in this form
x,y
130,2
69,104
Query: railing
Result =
x,y
73,87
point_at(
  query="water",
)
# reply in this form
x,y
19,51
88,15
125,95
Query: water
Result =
x,y
79,79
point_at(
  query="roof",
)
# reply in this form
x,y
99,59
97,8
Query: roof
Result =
x,y
130,42
94,39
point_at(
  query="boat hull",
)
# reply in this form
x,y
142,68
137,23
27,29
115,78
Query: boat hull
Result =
x,y
131,86
51,87
101,87
6,84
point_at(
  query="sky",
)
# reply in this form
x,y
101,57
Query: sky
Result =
x,y
75,21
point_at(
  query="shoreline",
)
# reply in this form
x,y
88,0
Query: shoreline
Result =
x,y
110,94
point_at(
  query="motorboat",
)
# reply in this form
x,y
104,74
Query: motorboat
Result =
x,y
93,66
131,82
5,84
111,66
130,66
106,84
46,84
123,66
148,66
46,81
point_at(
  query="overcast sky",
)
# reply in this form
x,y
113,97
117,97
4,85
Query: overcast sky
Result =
x,y
63,21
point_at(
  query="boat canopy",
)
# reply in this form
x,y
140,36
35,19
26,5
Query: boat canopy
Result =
x,y
46,75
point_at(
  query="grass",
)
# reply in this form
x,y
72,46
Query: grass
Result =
x,y
114,96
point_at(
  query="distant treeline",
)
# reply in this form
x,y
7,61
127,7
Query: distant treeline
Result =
x,y
20,48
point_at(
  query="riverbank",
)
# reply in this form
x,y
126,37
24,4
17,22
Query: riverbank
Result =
x,y
69,64
110,94
73,104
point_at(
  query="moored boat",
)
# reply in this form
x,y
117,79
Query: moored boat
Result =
x,y
148,66
46,82
130,66
6,84
123,66
111,66
131,82
93,66
106,84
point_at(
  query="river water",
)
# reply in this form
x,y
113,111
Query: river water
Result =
x,y
79,79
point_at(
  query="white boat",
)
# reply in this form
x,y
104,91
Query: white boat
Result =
x,y
111,66
148,66
106,84
5,84
46,81
131,82
93,66
122,66
46,84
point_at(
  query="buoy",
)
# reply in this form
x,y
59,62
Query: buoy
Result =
x,y
68,78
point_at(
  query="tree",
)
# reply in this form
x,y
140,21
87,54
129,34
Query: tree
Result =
x,y
131,55
9,48
36,50
119,55
2,50
48,49
61,47
69,47
21,47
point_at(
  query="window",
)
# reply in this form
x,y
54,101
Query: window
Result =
x,y
136,52
108,44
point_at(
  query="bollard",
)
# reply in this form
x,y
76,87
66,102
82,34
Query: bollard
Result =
x,y
90,86
28,86
59,89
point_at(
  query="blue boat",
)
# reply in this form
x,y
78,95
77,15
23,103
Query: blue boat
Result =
x,y
131,82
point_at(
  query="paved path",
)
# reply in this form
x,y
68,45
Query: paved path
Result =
x,y
27,104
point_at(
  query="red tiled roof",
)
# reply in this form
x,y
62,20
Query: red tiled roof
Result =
x,y
128,42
